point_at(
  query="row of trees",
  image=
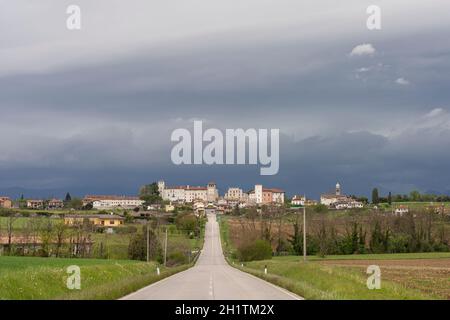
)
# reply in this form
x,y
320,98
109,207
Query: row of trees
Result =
x,y
413,196
358,234
45,237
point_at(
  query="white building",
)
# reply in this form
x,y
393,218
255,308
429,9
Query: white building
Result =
x,y
298,200
109,202
401,210
188,193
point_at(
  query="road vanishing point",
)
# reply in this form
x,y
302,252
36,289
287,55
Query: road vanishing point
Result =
x,y
212,278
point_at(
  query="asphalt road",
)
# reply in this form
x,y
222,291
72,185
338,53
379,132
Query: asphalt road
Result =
x,y
212,279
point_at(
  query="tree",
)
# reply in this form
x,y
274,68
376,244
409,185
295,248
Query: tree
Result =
x,y
60,233
414,195
137,249
296,239
150,193
389,199
379,241
76,204
10,228
68,198
375,198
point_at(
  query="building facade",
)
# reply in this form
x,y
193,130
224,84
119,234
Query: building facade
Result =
x,y
261,195
110,201
5,202
188,194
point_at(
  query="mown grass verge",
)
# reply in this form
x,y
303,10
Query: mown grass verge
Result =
x,y
29,278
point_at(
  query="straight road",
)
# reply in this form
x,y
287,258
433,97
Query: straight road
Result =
x,y
212,279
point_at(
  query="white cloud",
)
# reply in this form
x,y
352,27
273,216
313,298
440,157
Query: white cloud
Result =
x,y
435,112
363,69
402,81
363,49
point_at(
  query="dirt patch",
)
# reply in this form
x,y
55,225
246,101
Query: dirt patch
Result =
x,y
428,275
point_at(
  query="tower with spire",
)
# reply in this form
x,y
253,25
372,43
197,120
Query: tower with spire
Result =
x,y
338,189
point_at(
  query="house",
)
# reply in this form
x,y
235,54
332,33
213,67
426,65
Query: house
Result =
x,y
347,204
111,201
310,203
188,194
261,195
154,207
236,194
35,204
55,204
169,207
401,210
107,220
199,208
298,200
5,202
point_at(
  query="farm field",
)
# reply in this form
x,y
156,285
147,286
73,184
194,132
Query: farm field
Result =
x,y
45,278
417,276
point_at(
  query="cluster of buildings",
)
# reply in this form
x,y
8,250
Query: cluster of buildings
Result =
x,y
339,201
202,198
209,194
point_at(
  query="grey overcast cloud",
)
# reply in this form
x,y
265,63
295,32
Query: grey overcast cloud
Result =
x,y
92,110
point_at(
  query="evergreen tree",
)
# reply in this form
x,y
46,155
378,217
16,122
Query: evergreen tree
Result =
x,y
68,197
390,198
375,198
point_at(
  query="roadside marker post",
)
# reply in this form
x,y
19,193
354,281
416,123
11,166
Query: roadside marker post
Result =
x,y
157,271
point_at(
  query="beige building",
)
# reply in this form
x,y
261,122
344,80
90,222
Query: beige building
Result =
x,y
107,220
5,202
188,194
55,204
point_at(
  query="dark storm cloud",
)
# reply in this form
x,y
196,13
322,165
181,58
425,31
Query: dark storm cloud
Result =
x,y
94,111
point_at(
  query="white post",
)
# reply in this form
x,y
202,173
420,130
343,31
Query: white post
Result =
x,y
265,269
157,271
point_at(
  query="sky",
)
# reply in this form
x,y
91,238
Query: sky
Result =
x,y
92,110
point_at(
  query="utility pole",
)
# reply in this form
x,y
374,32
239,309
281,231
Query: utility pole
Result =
x,y
148,243
165,250
304,232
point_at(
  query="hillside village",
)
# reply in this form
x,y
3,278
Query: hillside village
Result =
x,y
200,198
116,226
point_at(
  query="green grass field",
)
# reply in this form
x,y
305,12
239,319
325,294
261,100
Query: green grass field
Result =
x,y
45,278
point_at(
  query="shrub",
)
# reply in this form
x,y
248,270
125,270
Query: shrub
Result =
x,y
257,250
137,249
126,230
177,258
